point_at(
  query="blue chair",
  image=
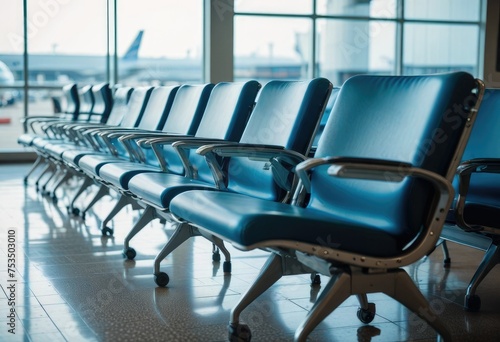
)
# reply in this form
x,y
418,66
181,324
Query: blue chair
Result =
x,y
376,197
183,119
153,117
224,118
474,220
74,132
36,123
54,149
284,119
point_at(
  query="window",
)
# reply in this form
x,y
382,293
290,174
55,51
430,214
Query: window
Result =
x,y
11,73
160,42
341,38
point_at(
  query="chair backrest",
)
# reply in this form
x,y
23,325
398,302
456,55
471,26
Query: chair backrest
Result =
x,y
71,102
120,105
103,102
86,98
135,107
184,118
227,112
418,120
484,143
484,140
158,107
286,114
326,115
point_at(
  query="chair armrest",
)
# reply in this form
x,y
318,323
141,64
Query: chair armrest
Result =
x,y
464,172
182,147
361,168
140,137
488,165
389,171
282,160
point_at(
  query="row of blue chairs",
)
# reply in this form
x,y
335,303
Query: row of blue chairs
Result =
x,y
235,163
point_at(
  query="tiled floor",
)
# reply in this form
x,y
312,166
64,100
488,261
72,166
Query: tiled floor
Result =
x,y
73,285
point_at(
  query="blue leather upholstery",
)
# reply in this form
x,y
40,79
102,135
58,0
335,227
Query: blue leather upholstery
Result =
x,y
224,118
376,120
375,219
70,113
286,114
135,110
482,196
103,102
191,98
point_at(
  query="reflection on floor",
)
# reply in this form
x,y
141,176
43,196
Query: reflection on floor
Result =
x,y
73,285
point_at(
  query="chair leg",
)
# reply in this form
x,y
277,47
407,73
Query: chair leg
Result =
x,y
270,273
66,176
50,180
122,202
86,183
226,266
472,302
48,167
39,160
182,232
147,216
405,291
103,191
336,291
446,254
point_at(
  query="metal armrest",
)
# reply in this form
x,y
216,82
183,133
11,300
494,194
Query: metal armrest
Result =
x,y
155,142
488,165
282,160
464,172
183,146
137,135
389,171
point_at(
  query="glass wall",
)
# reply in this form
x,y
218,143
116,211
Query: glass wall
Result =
x,y
11,73
337,39
157,42
161,42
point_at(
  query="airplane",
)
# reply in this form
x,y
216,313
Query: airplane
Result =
x,y
6,79
57,69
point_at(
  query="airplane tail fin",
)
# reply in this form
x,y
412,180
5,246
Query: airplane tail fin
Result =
x,y
133,51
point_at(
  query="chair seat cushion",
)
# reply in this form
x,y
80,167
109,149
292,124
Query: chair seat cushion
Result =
x,y
72,156
26,139
120,173
92,163
245,221
57,149
160,188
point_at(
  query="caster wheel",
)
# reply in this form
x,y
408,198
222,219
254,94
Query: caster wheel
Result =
x,y
447,263
54,199
108,232
239,333
161,279
163,221
226,266
315,279
216,256
472,303
83,215
367,315
129,253
75,211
